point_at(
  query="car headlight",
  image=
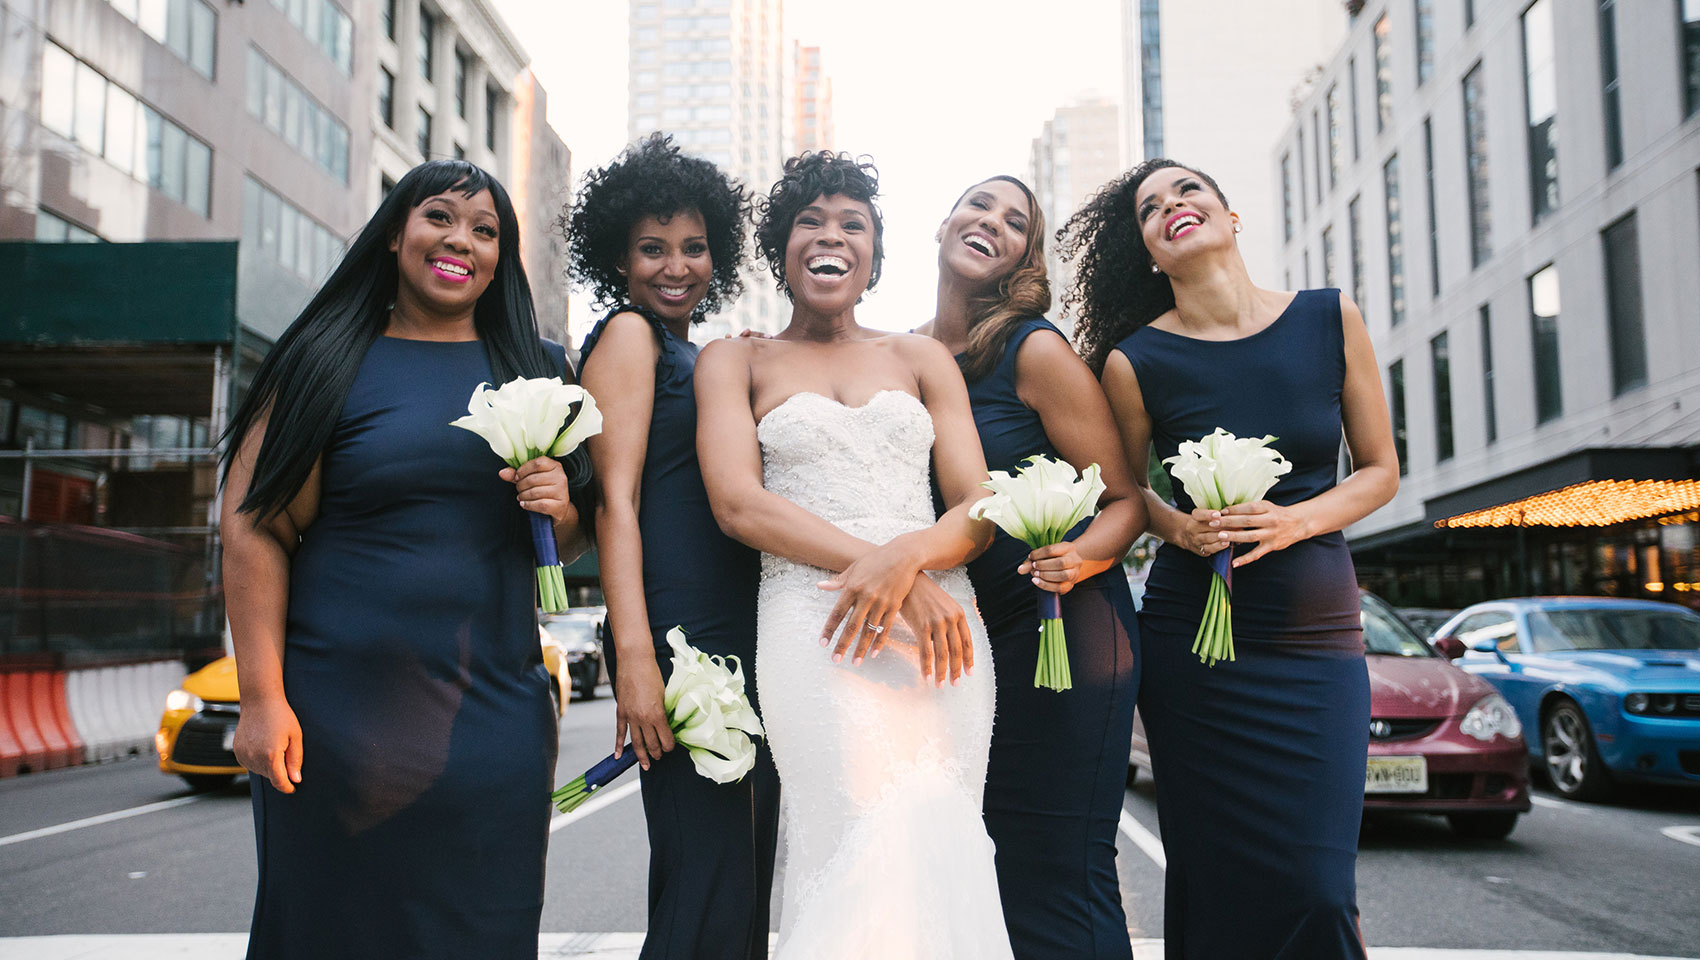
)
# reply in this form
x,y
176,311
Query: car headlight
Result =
x,y
1642,704
1491,717
183,700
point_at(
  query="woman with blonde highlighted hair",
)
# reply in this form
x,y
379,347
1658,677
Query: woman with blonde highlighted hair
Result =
x,y
1058,759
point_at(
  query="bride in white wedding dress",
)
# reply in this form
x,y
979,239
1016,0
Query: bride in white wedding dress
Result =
x,y
816,447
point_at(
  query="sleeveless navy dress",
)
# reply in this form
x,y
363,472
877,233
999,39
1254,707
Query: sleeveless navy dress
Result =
x,y
1058,760
1258,762
412,661
711,846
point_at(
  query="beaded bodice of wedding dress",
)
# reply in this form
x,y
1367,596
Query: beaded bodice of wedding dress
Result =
x,y
882,772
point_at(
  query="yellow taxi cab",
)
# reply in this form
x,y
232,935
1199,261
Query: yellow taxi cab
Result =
x,y
198,728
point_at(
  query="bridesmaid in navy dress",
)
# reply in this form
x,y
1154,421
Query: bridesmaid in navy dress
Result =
x,y
1259,761
396,714
1059,760
659,237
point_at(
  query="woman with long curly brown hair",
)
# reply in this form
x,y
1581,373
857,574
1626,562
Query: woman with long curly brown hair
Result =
x,y
1054,783
1260,758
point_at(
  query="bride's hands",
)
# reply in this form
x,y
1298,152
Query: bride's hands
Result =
x,y
872,591
941,631
639,708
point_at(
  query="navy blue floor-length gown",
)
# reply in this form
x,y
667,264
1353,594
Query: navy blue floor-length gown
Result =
x,y
711,846
412,661
1059,760
1258,762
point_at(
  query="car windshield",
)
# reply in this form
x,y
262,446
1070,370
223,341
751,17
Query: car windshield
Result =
x,y
1599,628
571,631
1386,634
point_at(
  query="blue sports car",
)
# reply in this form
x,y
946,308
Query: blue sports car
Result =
x,y
1611,688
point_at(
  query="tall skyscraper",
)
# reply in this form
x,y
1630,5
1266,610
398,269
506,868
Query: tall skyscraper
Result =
x,y
1223,115
811,107
712,73
1077,153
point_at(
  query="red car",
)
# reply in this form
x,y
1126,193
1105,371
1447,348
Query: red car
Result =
x,y
1440,740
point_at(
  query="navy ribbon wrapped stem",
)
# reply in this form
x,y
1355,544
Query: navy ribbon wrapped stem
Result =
x,y
1222,561
543,539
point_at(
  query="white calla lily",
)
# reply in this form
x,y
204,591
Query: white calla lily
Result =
x,y
524,419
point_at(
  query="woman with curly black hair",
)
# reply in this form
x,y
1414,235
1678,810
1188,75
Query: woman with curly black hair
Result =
x,y
658,238
1058,761
1259,759
816,447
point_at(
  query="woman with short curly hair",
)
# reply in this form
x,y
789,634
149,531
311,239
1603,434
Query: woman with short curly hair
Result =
x,y
658,238
816,447
1259,759
1064,754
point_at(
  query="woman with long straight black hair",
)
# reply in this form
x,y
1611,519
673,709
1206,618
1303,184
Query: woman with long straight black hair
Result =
x,y
1058,760
378,572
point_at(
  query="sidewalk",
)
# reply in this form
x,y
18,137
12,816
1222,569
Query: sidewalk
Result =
x,y
591,946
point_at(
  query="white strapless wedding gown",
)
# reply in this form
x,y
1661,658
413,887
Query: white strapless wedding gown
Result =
x,y
882,773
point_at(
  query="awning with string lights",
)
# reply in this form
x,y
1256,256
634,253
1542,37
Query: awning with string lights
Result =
x,y
1601,487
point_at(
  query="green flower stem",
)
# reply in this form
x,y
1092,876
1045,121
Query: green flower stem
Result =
x,y
569,797
1215,639
1052,670
551,589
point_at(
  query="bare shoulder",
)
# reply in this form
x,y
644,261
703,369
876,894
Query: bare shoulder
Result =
x,y
1351,318
1047,346
920,350
627,334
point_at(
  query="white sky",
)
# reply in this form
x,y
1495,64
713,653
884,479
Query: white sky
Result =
x,y
939,93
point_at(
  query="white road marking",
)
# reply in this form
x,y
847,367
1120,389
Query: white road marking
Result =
x,y
1144,839
145,808
1683,834
601,798
1553,804
594,946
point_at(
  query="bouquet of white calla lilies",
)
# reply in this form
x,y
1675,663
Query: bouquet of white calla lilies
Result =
x,y
522,420
709,714
1218,472
1038,505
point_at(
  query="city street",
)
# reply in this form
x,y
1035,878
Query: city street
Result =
x,y
121,849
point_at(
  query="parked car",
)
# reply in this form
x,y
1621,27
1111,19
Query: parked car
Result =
x,y
1426,620
198,726
1441,741
1612,686
578,634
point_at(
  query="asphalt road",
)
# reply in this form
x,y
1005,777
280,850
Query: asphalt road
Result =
x,y
1623,877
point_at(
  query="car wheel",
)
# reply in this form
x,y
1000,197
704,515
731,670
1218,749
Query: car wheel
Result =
x,y
208,782
1572,763
555,696
1491,825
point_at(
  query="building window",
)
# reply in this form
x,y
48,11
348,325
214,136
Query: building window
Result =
x,y
1383,75
1609,84
1308,284
1476,167
1395,242
424,133
386,97
1286,196
324,23
1329,276
1352,101
1334,135
427,43
1316,147
1469,14
1543,319
1396,405
385,185
1689,11
1433,221
1623,303
387,14
280,230
1489,408
276,100
460,84
188,28
1354,231
1440,365
492,116
109,122
1541,108
1151,75
1425,40
1304,192
460,152
52,228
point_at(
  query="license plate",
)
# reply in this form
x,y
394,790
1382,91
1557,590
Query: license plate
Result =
x,y
229,740
1396,775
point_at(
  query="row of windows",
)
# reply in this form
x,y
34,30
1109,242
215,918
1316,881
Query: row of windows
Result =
x,y
675,116
698,91
52,228
324,23
275,99
188,28
704,136
1620,245
698,68
108,121
280,230
684,46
